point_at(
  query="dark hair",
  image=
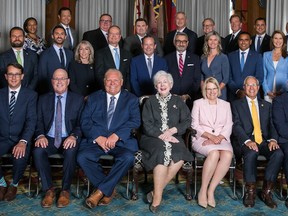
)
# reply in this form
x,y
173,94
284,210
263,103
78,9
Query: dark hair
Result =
x,y
236,16
148,36
283,49
26,23
105,14
56,27
64,9
16,65
260,18
244,33
16,28
141,20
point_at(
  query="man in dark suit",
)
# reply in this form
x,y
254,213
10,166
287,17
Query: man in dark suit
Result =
x,y
56,56
261,39
255,135
18,120
231,40
58,131
280,120
252,66
143,67
181,22
27,58
133,43
107,130
186,75
113,56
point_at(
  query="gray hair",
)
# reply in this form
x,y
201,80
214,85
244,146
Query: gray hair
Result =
x,y
162,73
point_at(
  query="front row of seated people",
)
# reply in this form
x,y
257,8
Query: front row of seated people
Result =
x,y
105,127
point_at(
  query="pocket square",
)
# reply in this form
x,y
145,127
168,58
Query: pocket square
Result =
x,y
124,60
190,65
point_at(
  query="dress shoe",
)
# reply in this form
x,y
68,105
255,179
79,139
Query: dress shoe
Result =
x,y
106,200
93,200
48,199
250,195
2,192
266,194
154,209
63,200
11,193
150,197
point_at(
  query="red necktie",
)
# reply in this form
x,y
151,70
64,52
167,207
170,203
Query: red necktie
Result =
x,y
180,65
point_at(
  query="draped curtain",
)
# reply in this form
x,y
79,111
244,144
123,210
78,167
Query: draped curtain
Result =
x,y
14,12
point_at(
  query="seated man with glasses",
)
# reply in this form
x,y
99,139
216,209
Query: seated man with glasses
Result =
x,y
255,135
58,131
18,120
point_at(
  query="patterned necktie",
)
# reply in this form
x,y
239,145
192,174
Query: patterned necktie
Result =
x,y
180,65
242,60
69,38
258,44
110,111
256,123
18,57
62,58
58,123
12,102
117,58
149,66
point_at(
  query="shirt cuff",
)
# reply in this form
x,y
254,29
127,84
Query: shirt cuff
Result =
x,y
23,141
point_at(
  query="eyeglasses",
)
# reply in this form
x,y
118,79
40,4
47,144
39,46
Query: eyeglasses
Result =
x,y
17,75
60,79
207,26
106,21
181,41
251,85
211,89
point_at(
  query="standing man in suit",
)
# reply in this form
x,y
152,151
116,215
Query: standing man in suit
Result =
x,y
106,122
64,16
18,120
55,57
143,68
231,40
255,135
243,62
58,131
260,41
25,57
181,26
133,43
113,56
185,69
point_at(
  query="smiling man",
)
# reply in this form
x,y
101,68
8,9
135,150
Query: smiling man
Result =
x,y
260,41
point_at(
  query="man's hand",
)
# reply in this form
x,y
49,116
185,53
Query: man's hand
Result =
x,y
19,150
101,141
272,145
252,145
69,142
41,142
111,141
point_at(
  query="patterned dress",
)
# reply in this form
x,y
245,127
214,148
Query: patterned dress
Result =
x,y
30,44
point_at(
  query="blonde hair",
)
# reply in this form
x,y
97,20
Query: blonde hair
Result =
x,y
77,55
210,80
206,48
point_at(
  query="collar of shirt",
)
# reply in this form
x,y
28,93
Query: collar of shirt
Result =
x,y
65,26
21,53
58,52
64,95
17,92
112,50
140,37
236,33
180,30
183,56
246,53
146,58
262,36
250,105
104,33
116,99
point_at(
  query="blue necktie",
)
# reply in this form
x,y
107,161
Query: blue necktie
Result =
x,y
62,58
149,66
258,44
117,58
242,60
58,123
110,111
12,102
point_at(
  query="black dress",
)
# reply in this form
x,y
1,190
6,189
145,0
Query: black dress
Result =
x,y
158,115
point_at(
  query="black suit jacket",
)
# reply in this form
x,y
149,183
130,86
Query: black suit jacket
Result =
x,y
243,125
46,110
169,45
23,121
30,67
231,46
265,45
104,61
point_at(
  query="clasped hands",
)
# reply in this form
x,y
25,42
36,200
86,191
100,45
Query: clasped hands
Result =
x,y
213,139
107,143
167,136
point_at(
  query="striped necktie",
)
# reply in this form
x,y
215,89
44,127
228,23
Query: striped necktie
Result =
x,y
110,111
12,102
180,65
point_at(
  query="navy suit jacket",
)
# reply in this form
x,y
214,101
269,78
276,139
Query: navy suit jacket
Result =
x,y
30,67
104,61
265,45
140,81
48,63
280,116
23,121
243,125
125,118
169,45
253,67
189,83
46,110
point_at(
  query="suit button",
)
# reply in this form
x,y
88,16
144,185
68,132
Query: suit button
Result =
x,y
87,86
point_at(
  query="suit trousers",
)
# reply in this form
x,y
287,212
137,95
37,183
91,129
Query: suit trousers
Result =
x,y
88,159
284,147
274,157
42,164
19,165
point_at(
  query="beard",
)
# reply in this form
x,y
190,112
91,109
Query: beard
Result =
x,y
17,44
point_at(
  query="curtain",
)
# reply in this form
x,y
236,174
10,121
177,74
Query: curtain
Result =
x,y
197,10
14,12
276,15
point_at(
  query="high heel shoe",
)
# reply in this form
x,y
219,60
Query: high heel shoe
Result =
x,y
150,197
154,209
202,204
212,203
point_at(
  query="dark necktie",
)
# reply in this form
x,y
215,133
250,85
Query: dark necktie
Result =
x,y
62,58
180,65
12,102
69,38
258,44
58,123
242,60
149,66
232,38
110,111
